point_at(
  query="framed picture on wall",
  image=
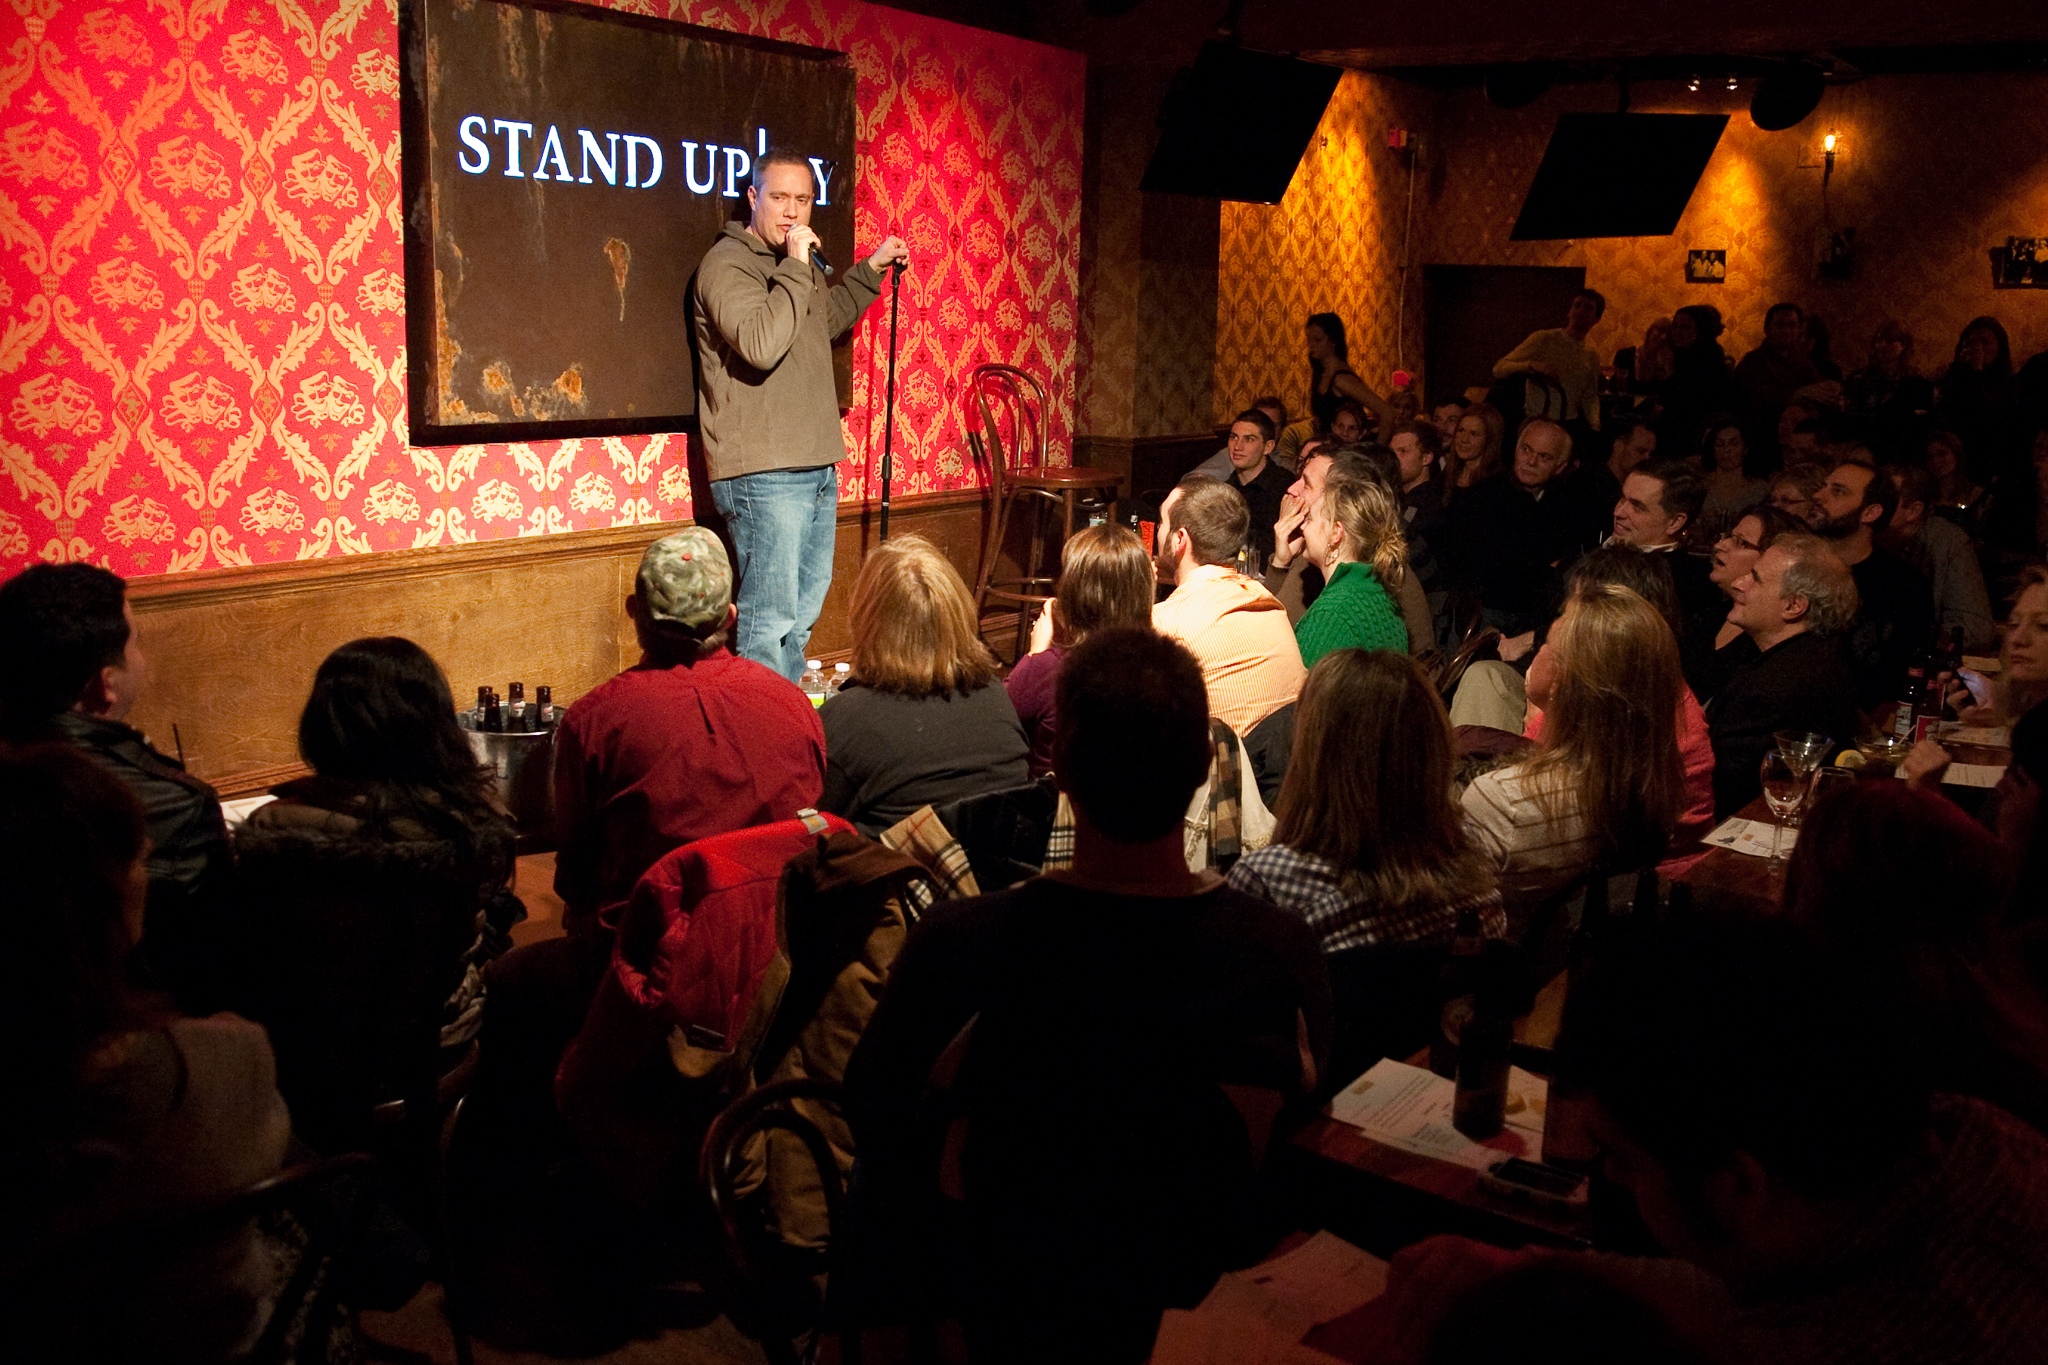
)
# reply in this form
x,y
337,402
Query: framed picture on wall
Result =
x,y
1706,267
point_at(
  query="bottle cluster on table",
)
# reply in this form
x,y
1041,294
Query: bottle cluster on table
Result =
x,y
1923,704
820,686
511,714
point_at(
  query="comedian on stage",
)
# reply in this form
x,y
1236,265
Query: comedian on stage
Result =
x,y
767,412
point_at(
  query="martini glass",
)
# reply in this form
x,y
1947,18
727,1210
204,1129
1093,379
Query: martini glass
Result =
x,y
1803,751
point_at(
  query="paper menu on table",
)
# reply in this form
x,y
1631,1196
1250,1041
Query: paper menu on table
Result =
x,y
1984,736
1969,774
1410,1108
1258,1316
1752,837
237,811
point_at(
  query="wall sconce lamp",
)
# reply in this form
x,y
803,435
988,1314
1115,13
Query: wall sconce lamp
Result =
x,y
1827,154
1733,83
1693,85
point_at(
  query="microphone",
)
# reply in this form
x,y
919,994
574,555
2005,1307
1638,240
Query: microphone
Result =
x,y
818,260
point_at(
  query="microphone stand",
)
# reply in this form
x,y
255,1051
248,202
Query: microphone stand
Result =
x,y
889,407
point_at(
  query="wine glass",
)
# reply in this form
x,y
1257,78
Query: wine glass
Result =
x,y
1784,789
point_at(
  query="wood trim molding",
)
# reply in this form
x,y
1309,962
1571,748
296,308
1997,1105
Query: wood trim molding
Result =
x,y
208,586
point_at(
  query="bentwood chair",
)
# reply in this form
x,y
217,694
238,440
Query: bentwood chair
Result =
x,y
1004,413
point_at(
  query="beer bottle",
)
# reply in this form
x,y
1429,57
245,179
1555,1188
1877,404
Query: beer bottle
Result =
x,y
1909,699
1485,1044
494,715
483,701
544,707
515,720
1456,983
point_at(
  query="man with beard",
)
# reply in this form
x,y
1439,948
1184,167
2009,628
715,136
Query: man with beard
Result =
x,y
1895,622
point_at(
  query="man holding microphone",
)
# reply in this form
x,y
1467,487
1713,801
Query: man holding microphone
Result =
x,y
767,411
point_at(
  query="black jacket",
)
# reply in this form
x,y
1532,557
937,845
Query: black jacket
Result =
x,y
1803,683
190,865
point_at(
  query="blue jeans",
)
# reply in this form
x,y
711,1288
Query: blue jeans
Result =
x,y
782,523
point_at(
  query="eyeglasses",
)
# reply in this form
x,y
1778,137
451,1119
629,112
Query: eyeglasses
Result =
x,y
1732,539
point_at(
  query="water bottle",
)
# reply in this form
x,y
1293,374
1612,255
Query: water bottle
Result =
x,y
841,673
813,682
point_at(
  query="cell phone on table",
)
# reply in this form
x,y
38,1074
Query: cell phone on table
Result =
x,y
1535,1183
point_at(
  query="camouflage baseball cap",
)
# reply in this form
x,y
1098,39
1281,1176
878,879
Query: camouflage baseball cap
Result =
x,y
686,578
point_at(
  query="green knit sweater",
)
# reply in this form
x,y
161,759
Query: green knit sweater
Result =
x,y
1352,611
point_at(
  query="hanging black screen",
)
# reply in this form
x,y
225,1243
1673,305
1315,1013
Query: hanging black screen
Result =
x,y
1617,175
1234,125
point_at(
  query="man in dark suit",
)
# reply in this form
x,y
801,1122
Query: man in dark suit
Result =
x,y
1792,605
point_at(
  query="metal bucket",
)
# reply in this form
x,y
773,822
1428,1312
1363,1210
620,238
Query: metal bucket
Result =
x,y
524,764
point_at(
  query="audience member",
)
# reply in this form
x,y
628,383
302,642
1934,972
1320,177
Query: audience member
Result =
x,y
924,719
1909,893
1979,400
1806,443
74,671
1331,379
120,1110
1087,1033
2022,680
1956,497
1236,629
1296,580
1445,417
1106,579
691,741
1369,847
2021,823
1633,441
1701,379
1892,399
1353,534
1648,577
1793,491
1795,599
1645,367
1473,453
1920,1240
1940,552
1550,1310
1732,479
1607,781
1774,372
1257,477
1895,619
1418,448
1817,343
1220,466
1347,424
1561,353
1510,534
369,893
1714,646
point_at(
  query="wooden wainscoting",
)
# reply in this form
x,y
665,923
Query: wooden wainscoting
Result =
x,y
231,652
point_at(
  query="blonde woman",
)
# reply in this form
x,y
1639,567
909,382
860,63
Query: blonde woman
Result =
x,y
1353,534
1607,780
924,719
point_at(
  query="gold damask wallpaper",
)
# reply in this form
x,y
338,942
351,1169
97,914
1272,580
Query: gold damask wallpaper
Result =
x,y
1332,245
202,347
1932,171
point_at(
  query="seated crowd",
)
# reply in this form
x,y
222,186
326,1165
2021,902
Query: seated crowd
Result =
x,y
1379,683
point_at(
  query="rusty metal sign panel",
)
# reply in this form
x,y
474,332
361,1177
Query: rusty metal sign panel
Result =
x,y
566,168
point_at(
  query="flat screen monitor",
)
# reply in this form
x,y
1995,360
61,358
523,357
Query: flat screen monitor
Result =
x,y
1234,125
565,169
1617,175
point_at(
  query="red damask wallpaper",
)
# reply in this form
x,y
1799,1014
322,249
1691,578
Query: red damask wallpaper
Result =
x,y
202,341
